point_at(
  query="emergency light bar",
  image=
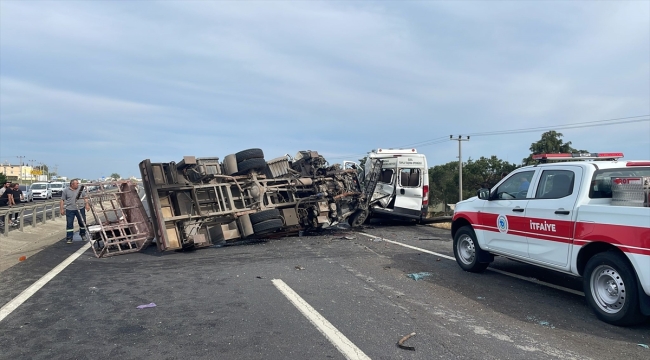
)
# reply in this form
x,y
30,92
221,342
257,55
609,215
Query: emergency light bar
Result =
x,y
577,156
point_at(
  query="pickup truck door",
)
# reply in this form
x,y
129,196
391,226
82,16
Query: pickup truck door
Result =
x,y
504,216
551,216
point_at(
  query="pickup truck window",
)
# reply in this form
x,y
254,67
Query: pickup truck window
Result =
x,y
409,177
555,184
515,187
601,183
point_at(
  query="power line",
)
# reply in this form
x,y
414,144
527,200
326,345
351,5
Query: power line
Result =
x,y
578,125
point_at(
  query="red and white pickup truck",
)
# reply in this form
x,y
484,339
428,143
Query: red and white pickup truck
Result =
x,y
585,218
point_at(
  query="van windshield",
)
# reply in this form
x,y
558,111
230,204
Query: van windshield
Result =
x,y
56,186
39,186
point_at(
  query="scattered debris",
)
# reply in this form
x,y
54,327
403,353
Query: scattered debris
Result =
x,y
644,346
149,305
419,276
300,267
22,258
480,297
401,341
260,277
348,237
437,259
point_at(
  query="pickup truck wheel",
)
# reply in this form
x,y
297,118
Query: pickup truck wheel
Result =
x,y
249,154
267,226
467,252
611,290
264,215
251,164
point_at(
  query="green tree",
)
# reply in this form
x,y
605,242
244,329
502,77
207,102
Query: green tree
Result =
x,y
3,178
115,176
551,142
484,172
443,183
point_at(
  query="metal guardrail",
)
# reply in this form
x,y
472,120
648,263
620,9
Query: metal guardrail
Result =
x,y
42,211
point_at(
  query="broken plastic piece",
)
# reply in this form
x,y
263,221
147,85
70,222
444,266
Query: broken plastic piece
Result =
x,y
419,276
149,305
401,341
300,267
644,346
22,258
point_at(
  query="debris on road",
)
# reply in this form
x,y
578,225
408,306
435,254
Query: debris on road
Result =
x,y
401,341
644,346
419,276
145,306
22,258
300,267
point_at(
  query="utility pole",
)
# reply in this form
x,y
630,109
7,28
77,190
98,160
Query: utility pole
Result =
x,y
21,166
460,165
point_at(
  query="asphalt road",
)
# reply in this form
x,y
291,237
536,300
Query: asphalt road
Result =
x,y
228,303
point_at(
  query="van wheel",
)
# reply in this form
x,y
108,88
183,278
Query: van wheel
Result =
x,y
611,290
358,218
467,252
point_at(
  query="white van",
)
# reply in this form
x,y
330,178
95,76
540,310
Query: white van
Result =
x,y
41,190
57,188
402,191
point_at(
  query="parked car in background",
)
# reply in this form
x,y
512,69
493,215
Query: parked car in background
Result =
x,y
57,188
41,190
27,193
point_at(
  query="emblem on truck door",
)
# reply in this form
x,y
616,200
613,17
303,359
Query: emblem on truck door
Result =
x,y
502,223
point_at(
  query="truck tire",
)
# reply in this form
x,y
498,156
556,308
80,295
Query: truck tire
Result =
x,y
358,218
611,290
264,215
256,164
230,165
267,226
249,154
467,252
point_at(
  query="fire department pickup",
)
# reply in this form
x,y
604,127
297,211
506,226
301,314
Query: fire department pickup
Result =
x,y
585,218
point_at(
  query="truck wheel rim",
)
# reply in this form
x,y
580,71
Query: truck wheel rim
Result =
x,y
466,250
608,289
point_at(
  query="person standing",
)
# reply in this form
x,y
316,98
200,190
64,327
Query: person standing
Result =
x,y
73,208
15,198
4,188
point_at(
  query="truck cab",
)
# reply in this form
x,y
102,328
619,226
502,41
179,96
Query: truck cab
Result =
x,y
402,188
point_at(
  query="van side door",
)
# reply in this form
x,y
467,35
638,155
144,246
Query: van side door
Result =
x,y
408,193
385,189
551,216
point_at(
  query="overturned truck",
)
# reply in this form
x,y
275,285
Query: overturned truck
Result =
x,y
198,202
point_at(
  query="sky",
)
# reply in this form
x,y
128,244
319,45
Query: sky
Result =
x,y
95,87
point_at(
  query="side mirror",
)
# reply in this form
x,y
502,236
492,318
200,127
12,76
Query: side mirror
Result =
x,y
483,194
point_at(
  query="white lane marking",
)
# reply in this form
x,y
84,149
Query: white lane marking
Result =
x,y
410,247
12,305
342,343
532,280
